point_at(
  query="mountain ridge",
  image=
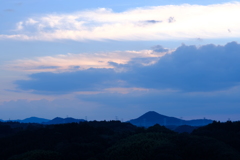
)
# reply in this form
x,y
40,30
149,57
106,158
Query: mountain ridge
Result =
x,y
59,120
151,118
148,119
34,120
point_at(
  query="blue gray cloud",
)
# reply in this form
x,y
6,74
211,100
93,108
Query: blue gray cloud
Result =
x,y
159,48
8,10
152,21
60,83
187,69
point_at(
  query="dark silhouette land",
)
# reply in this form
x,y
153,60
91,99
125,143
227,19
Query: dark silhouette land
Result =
x,y
76,139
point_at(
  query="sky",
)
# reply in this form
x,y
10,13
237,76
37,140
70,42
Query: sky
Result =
x,y
108,60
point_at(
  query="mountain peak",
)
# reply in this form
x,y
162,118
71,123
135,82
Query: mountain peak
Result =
x,y
59,120
33,120
151,118
151,113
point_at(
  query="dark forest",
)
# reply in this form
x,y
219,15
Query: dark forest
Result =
x,y
114,140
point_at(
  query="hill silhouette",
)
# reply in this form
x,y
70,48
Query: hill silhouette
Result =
x,y
28,120
151,118
146,120
59,120
34,120
56,120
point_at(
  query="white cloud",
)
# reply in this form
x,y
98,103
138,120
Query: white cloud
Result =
x,y
73,62
187,21
19,25
31,21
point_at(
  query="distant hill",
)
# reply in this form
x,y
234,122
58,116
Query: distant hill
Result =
x,y
146,120
34,120
56,120
59,120
29,120
151,118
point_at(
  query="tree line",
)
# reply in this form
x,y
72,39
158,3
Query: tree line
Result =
x,y
114,140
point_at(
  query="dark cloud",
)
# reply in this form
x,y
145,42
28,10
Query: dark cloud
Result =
x,y
76,67
8,10
171,20
159,48
153,21
60,83
188,69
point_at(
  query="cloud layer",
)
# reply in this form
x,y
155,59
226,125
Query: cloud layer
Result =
x,y
74,62
188,69
147,23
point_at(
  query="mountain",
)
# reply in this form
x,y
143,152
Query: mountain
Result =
x,y
198,122
151,118
56,120
34,120
29,120
59,120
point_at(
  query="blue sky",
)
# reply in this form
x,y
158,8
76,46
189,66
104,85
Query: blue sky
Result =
x,y
103,59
